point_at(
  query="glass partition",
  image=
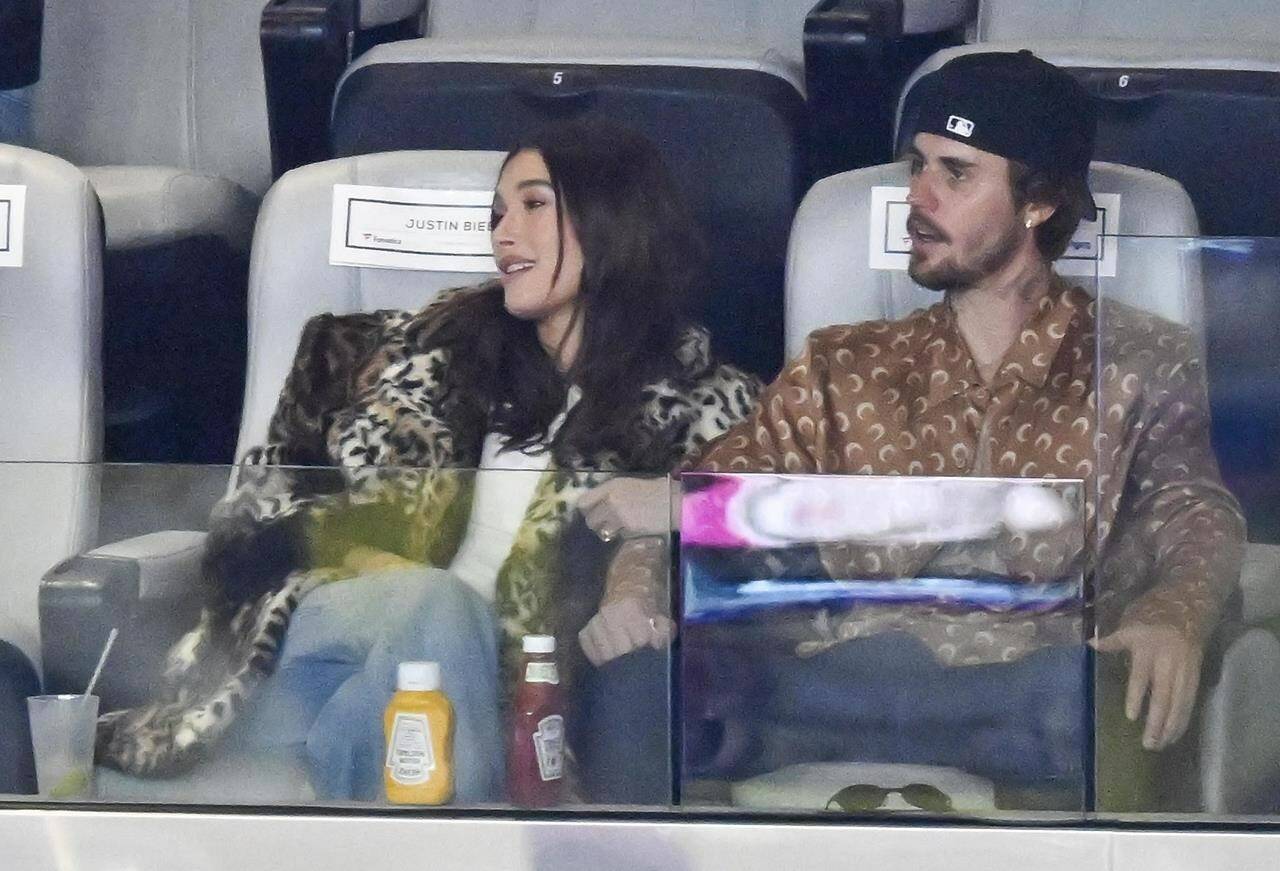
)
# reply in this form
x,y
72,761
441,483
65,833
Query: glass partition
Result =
x,y
1188,592
847,646
869,645
263,617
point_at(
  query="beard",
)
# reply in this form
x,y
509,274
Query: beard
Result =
x,y
951,274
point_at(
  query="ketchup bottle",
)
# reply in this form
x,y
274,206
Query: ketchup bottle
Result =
x,y
535,761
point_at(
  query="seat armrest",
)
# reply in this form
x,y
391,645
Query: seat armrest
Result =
x,y
165,564
147,587
145,206
857,55
306,45
1240,728
1260,582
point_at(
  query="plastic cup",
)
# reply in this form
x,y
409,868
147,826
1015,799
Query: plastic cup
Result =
x,y
62,736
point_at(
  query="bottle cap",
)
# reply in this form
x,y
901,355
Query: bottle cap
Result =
x,y
418,676
539,644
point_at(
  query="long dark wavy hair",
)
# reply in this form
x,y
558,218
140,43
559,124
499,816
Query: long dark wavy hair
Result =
x,y
642,264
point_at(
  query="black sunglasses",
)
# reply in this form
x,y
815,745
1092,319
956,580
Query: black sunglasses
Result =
x,y
863,797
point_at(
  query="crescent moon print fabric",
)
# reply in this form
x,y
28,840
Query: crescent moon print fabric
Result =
x,y
1105,393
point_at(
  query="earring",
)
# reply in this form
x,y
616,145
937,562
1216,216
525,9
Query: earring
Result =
x,y
1029,223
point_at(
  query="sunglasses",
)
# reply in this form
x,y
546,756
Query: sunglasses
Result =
x,y
863,797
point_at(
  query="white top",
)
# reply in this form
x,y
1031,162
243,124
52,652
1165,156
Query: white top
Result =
x,y
504,487
418,676
538,644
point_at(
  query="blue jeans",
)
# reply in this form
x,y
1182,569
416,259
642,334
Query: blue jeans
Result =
x,y
337,672
15,116
623,737
886,698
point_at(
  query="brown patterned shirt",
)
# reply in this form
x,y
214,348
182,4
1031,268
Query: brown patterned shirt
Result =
x,y
904,397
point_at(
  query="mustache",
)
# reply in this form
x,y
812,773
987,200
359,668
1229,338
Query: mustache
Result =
x,y
920,225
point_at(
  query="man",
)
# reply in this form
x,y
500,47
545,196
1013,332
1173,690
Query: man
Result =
x,y
998,380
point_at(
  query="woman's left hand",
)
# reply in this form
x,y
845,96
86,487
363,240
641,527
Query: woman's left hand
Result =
x,y
628,507
622,626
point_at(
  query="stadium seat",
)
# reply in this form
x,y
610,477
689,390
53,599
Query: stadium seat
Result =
x,y
50,379
776,27
163,104
138,95
830,279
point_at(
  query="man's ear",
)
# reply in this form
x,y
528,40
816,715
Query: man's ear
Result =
x,y
1035,214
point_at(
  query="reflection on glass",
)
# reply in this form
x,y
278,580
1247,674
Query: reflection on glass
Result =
x,y
260,651
1188,676
913,640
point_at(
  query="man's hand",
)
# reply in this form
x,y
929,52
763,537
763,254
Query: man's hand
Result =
x,y
622,626
628,507
1164,668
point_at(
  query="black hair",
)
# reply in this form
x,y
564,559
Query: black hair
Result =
x,y
642,262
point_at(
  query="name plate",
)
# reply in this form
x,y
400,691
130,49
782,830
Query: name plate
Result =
x,y
13,206
1089,253
411,228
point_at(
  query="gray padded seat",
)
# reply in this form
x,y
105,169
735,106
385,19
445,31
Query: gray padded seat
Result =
x,y
772,31
172,90
829,281
162,103
1234,22
166,84
50,384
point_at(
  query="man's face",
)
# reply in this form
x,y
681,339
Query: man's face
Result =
x,y
963,224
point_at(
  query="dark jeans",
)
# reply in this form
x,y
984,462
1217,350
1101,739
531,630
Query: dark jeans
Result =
x,y
624,737
887,699
17,681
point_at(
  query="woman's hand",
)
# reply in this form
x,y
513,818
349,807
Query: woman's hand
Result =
x,y
1164,669
628,507
624,625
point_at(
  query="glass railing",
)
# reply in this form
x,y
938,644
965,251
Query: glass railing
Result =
x,y
262,617
839,647
1188,706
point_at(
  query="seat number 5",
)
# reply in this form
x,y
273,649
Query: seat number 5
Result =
x,y
557,78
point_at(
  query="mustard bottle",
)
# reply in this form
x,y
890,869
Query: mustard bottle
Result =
x,y
418,725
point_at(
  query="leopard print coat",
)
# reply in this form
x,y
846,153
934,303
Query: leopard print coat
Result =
x,y
366,393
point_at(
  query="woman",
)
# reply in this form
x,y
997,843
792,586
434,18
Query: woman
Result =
x,y
577,358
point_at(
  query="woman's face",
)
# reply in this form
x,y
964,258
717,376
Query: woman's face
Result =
x,y
526,243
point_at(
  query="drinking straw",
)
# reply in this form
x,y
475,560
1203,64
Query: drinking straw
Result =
x,y
102,660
